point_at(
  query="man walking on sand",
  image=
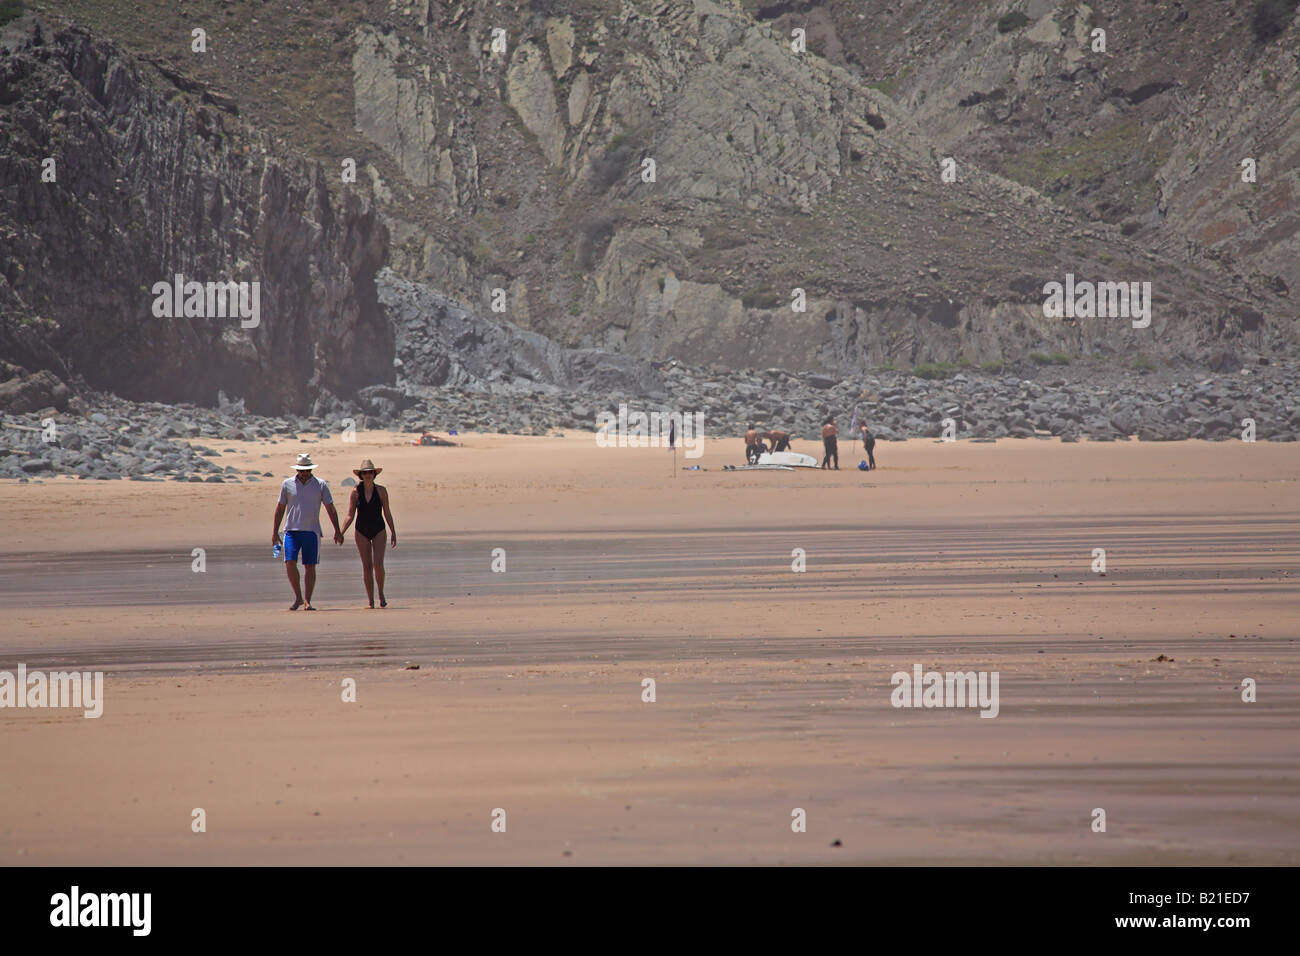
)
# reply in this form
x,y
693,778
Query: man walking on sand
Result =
x,y
301,497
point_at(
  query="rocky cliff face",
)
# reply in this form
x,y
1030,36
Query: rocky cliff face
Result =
x,y
655,178
772,171
148,180
1138,115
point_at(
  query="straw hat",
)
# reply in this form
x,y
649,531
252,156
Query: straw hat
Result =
x,y
366,465
305,463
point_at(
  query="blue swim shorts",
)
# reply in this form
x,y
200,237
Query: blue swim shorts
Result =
x,y
304,541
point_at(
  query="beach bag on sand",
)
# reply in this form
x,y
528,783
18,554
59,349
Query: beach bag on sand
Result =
x,y
862,465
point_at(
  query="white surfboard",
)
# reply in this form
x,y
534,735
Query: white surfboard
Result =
x,y
790,459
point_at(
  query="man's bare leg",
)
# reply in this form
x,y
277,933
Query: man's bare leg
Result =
x,y
309,581
291,567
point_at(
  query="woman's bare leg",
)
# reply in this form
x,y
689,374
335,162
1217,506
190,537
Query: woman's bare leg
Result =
x,y
378,546
367,570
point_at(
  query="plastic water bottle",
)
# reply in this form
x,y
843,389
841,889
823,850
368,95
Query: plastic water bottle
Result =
x,y
275,552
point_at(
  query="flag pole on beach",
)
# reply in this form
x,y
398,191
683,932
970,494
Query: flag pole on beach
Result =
x,y
672,443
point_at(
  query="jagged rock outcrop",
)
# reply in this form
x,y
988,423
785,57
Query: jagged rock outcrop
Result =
x,y
531,94
113,179
398,112
440,343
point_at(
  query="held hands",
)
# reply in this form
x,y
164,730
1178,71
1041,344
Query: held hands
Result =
x,y
338,536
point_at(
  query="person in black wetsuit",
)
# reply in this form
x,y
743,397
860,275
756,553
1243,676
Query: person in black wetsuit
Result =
x,y
869,446
369,505
830,441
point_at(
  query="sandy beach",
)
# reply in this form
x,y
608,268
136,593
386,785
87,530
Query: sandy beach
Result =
x,y
479,690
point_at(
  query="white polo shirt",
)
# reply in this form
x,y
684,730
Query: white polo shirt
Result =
x,y
304,500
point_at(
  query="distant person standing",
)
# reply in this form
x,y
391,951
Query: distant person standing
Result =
x,y
672,433
752,445
300,501
869,444
830,440
780,440
369,505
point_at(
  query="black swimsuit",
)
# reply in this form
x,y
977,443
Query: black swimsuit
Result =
x,y
370,514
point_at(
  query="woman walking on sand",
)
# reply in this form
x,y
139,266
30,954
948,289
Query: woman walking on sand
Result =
x,y
369,505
